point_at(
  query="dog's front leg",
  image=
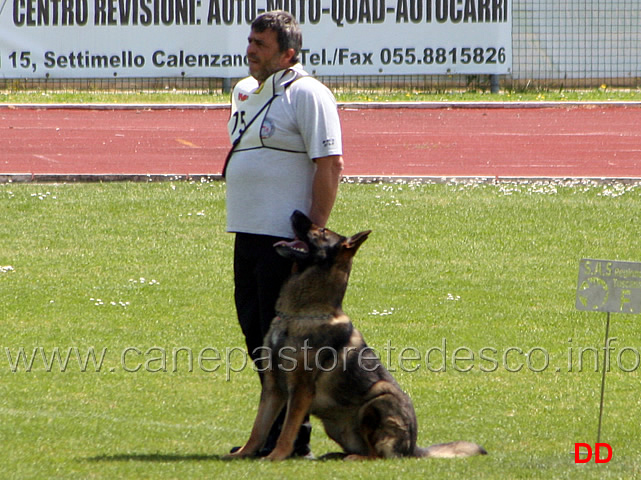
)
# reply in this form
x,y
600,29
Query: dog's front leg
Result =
x,y
272,401
298,405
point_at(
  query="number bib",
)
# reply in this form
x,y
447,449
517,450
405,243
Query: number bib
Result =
x,y
250,104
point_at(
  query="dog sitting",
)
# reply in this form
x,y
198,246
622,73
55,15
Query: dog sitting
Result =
x,y
318,363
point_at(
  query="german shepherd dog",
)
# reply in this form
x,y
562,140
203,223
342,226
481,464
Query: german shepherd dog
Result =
x,y
318,363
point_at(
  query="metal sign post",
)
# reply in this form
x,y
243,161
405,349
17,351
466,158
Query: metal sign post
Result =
x,y
608,286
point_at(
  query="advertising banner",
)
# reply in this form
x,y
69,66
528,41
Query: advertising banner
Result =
x,y
208,38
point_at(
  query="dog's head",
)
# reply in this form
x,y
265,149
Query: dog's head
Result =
x,y
315,245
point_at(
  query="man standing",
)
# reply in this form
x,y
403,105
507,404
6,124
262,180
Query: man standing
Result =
x,y
286,156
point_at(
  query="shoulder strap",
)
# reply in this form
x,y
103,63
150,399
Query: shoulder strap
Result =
x,y
241,132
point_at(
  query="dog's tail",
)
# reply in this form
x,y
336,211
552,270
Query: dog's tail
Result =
x,y
451,450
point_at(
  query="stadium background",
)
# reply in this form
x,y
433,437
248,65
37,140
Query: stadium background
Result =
x,y
556,45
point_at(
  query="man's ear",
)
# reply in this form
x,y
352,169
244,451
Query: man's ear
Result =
x,y
288,55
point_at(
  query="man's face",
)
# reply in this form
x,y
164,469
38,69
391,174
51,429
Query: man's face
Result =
x,y
265,56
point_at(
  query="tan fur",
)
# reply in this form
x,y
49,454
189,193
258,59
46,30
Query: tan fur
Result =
x,y
320,363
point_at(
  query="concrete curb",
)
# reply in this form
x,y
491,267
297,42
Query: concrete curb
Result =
x,y
354,105
357,179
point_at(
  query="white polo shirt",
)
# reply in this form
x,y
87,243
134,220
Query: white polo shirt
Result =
x,y
271,171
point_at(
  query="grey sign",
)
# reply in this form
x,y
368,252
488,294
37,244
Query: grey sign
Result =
x,y
609,286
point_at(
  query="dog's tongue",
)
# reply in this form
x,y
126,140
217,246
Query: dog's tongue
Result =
x,y
294,245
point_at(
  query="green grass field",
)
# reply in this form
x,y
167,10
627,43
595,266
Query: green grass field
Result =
x,y
480,278
602,94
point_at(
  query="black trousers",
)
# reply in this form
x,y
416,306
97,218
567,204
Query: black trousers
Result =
x,y
259,273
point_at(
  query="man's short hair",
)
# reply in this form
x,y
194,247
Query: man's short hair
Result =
x,y
286,27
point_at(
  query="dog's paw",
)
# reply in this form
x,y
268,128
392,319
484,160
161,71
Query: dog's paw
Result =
x,y
277,455
233,456
357,458
237,453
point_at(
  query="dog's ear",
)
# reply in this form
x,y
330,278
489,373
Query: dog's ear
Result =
x,y
301,223
357,240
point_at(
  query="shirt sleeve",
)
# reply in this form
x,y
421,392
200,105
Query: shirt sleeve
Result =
x,y
317,118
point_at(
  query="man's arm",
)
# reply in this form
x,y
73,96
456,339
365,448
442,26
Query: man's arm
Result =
x,y
325,187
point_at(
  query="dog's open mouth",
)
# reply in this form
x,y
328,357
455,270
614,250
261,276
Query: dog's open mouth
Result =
x,y
295,246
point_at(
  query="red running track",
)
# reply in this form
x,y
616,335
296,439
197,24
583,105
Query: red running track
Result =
x,y
486,141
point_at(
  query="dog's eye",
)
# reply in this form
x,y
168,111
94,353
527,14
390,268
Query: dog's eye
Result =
x,y
319,233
